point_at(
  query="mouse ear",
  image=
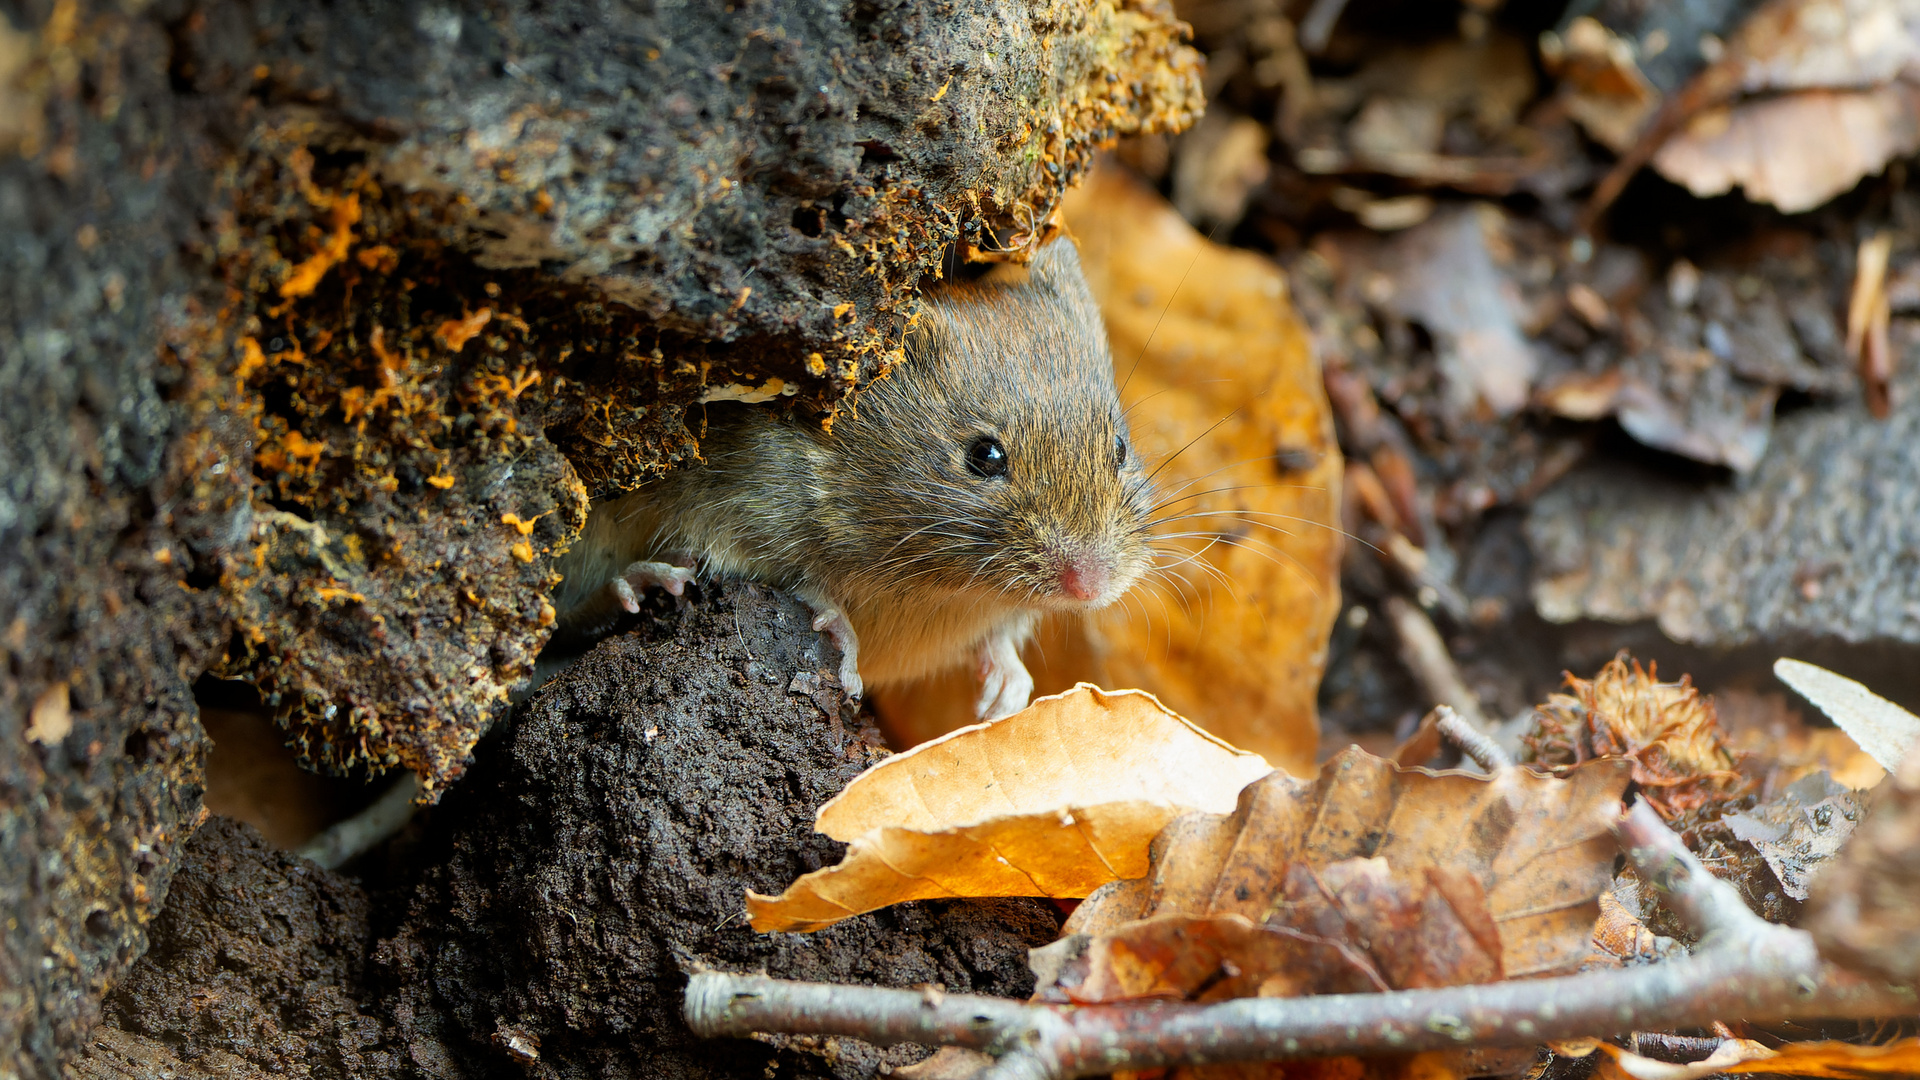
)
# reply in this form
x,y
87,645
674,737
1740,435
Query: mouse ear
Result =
x,y
1056,268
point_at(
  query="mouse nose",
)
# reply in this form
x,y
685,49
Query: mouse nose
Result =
x,y
1083,574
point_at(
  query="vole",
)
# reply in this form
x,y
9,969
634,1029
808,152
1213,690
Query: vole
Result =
x,y
985,481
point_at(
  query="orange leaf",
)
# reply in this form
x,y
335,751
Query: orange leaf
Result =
x,y
1056,800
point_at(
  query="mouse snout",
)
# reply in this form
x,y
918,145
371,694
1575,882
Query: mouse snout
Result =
x,y
1083,574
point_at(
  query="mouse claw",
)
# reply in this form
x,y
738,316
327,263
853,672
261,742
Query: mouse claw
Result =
x,y
832,622
1005,682
640,576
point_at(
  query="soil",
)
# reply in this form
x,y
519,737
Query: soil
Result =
x,y
598,850
259,955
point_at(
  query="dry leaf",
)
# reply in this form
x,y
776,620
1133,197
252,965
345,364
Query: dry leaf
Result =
x,y
1449,280
1865,908
1619,937
1222,162
1868,313
1776,746
1884,730
1807,44
1601,84
1737,1057
1669,730
1797,151
1056,800
1370,877
1225,397
1799,831
947,1063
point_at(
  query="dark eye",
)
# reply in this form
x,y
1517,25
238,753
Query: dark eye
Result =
x,y
986,457
1119,451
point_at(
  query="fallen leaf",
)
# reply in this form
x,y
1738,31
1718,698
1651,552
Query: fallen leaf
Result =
x,y
1602,86
1774,744
1056,800
948,1063
1222,162
1367,878
1620,937
1863,911
1669,730
1809,44
1868,312
1448,281
1225,398
1884,730
1738,1057
1798,832
1795,152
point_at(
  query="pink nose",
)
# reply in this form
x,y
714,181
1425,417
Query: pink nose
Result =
x,y
1082,576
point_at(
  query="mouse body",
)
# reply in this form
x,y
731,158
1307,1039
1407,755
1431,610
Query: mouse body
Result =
x,y
986,481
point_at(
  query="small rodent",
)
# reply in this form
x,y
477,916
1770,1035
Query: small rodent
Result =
x,y
987,480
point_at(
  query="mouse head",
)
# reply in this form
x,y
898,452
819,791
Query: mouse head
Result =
x,y
996,460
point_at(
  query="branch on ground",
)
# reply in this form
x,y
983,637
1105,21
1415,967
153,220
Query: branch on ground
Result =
x,y
1745,967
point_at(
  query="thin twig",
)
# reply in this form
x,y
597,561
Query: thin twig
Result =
x,y
1476,744
343,841
1747,968
1426,656
1317,28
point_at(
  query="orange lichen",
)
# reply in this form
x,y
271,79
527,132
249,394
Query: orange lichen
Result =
x,y
344,212
380,258
524,525
455,333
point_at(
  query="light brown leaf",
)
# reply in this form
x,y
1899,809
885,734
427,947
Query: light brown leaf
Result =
x,y
1221,386
1056,800
1369,877
1773,743
1797,151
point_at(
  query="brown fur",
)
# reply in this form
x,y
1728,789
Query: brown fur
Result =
x,y
881,517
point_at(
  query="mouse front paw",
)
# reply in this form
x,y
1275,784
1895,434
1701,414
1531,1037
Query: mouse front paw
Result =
x,y
832,622
1005,682
641,576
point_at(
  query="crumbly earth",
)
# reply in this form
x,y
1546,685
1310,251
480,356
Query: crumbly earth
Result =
x,y
258,956
602,846
606,844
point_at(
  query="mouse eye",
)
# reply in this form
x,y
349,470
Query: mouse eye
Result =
x,y
986,457
1119,451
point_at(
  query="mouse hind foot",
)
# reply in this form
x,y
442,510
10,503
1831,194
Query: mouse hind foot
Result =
x,y
641,576
599,613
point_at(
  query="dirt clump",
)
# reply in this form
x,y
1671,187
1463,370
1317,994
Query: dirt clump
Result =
x,y
605,841
256,959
